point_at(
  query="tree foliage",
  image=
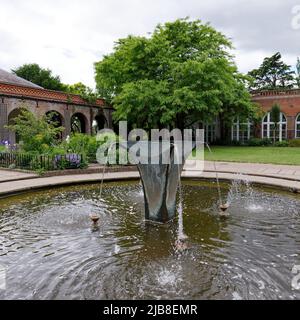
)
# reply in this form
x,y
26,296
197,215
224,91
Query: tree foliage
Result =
x,y
298,73
272,74
180,74
275,117
85,92
36,134
41,77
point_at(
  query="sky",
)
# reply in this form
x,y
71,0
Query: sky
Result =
x,y
68,36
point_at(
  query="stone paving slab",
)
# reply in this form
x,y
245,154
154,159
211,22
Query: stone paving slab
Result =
x,y
287,177
267,170
261,180
39,183
9,175
8,188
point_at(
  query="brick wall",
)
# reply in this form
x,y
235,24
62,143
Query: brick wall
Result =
x,y
289,103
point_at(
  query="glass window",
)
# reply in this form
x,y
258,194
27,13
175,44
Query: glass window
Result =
x,y
242,131
210,130
298,126
269,129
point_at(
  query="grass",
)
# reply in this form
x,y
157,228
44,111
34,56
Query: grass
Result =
x,y
272,155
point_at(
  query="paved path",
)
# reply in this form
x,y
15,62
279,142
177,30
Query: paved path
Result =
x,y
9,175
287,177
288,172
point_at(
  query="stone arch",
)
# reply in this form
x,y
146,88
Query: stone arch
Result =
x,y
79,123
58,119
99,123
13,136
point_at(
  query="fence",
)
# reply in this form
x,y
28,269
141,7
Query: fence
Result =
x,y
43,162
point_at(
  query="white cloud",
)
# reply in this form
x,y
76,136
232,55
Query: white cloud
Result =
x,y
69,36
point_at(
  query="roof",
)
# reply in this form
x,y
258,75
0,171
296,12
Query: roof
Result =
x,y
20,91
274,93
7,77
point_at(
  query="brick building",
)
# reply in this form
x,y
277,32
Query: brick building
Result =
x,y
241,131
70,111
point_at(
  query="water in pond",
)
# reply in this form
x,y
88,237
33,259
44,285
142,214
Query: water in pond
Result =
x,y
50,250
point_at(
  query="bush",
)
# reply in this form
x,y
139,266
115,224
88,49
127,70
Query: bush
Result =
x,y
281,144
235,143
78,143
257,142
88,145
37,134
108,139
294,143
68,161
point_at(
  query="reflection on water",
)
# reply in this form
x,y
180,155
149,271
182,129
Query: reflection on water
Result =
x,y
52,252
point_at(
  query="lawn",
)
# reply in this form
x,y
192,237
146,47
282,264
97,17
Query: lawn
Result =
x,y
279,155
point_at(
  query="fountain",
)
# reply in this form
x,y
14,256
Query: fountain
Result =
x,y
160,184
160,180
47,246
95,219
247,257
223,207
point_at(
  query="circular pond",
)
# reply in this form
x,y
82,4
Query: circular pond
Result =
x,y
51,251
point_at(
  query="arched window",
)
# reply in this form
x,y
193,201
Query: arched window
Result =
x,y
268,127
242,131
298,126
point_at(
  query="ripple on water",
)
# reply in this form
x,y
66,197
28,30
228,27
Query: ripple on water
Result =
x,y
52,252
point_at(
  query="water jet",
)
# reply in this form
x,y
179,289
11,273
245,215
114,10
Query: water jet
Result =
x,y
95,219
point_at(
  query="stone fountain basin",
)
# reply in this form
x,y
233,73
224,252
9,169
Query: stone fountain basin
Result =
x,y
51,252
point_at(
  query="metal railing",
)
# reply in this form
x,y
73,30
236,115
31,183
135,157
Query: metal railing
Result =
x,y
40,162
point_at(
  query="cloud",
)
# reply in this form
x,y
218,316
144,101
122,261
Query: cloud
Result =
x,y
69,36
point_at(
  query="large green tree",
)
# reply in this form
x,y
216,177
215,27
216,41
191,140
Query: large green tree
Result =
x,y
298,73
272,74
42,77
180,74
84,91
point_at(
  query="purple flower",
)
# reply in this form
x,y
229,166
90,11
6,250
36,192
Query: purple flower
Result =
x,y
73,160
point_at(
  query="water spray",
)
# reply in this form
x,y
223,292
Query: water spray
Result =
x,y
222,206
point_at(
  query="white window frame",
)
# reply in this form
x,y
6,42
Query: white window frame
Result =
x,y
268,123
238,124
297,122
211,129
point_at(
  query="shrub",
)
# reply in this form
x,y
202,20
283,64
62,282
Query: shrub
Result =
x,y
267,142
37,134
68,161
294,143
106,140
257,142
78,143
281,144
235,143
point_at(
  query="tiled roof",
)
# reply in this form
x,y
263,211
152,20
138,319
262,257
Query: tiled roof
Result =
x,y
7,77
43,94
278,92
